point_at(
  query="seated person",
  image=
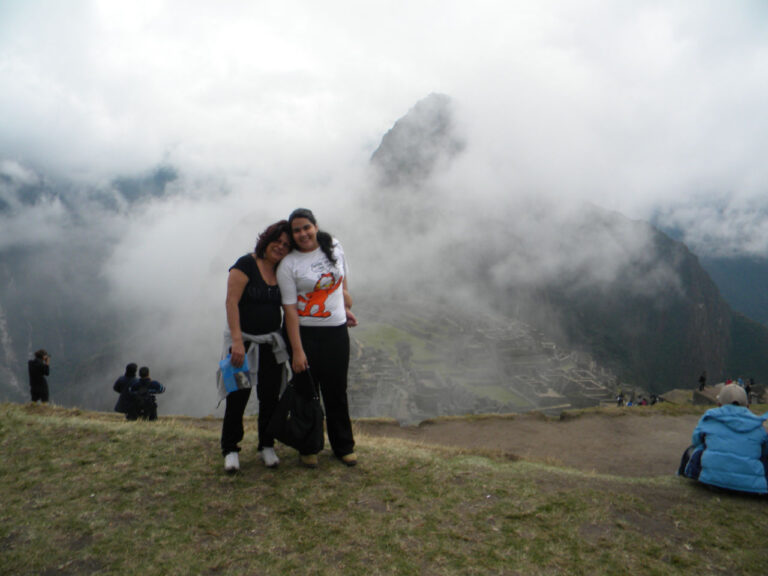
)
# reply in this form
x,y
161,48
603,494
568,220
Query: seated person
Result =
x,y
730,446
125,402
143,391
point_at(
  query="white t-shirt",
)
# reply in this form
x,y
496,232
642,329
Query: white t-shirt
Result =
x,y
315,285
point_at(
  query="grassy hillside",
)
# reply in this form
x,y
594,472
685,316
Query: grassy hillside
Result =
x,y
85,492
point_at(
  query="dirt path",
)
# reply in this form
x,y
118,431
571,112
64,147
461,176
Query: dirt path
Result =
x,y
623,443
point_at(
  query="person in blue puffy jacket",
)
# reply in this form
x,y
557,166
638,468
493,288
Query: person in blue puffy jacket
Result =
x,y
730,446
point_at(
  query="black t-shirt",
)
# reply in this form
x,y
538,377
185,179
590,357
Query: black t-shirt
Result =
x,y
260,303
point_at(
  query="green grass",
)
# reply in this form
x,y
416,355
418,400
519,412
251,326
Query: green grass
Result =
x,y
387,338
86,492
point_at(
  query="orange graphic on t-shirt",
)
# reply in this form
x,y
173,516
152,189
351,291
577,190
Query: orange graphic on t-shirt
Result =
x,y
314,302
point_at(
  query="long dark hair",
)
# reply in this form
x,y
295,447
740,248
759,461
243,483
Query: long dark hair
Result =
x,y
271,234
324,239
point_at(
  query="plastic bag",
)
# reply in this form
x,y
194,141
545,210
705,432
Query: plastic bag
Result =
x,y
234,377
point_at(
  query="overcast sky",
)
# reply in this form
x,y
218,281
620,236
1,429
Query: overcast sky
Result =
x,y
639,106
655,109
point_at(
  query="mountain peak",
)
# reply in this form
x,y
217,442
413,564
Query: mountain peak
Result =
x,y
418,141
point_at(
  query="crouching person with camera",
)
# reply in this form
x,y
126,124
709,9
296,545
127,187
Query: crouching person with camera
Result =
x,y
143,392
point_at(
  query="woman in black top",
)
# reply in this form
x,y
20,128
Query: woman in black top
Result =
x,y
254,312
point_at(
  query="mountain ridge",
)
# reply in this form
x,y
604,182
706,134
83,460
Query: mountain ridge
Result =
x,y
656,319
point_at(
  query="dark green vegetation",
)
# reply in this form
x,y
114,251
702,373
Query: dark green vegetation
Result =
x,y
85,492
743,282
748,354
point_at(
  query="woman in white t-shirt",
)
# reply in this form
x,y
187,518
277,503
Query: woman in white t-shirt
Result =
x,y
318,310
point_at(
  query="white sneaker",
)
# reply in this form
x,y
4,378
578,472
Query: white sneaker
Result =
x,y
231,463
270,458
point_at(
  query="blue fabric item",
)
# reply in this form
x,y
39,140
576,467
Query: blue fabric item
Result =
x,y
279,350
234,377
731,441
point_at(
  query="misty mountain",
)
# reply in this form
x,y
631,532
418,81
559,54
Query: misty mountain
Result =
x,y
622,291
743,281
661,337
53,294
417,144
470,300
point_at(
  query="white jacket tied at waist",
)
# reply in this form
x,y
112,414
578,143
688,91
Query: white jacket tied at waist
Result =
x,y
279,349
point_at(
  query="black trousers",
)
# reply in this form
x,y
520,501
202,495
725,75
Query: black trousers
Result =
x,y
268,390
147,409
40,393
327,351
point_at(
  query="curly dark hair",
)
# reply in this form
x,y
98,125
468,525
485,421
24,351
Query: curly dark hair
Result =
x,y
324,239
271,234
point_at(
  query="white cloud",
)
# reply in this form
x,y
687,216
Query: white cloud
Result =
x,y
643,107
626,103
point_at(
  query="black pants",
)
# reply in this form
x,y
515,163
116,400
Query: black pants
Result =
x,y
327,351
40,393
690,463
147,408
267,391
